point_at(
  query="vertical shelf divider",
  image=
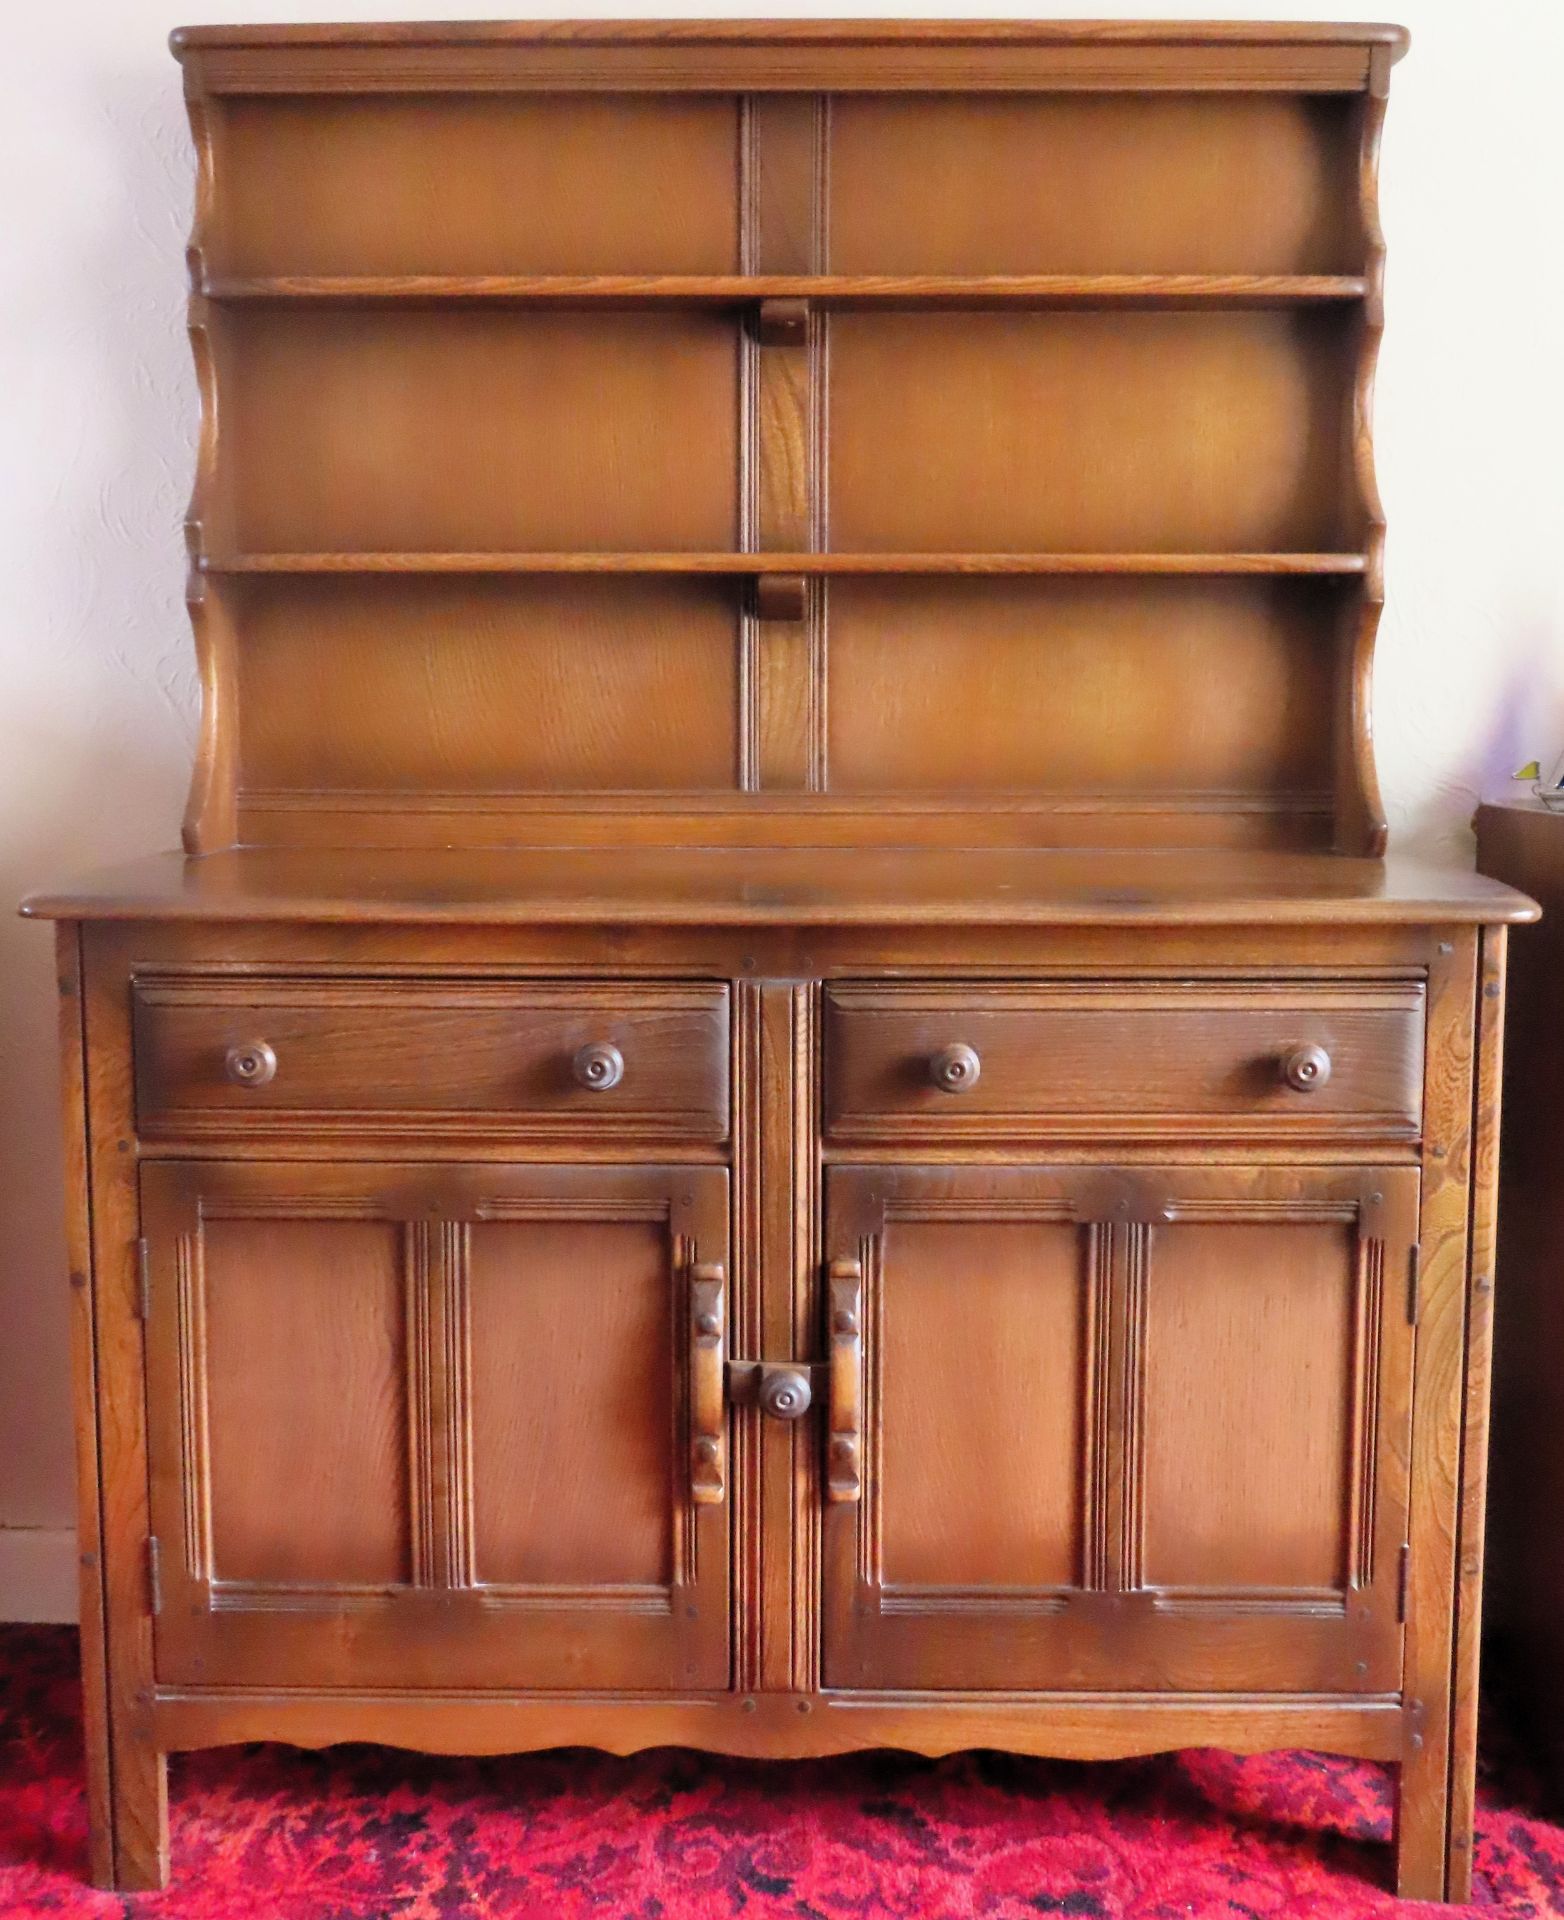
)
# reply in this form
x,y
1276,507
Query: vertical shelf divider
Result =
x,y
782,192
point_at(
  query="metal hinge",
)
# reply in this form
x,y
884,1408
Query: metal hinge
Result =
x,y
154,1575
144,1279
1403,1582
1414,1284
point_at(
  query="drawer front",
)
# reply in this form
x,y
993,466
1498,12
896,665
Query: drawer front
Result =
x,y
421,1058
1137,1061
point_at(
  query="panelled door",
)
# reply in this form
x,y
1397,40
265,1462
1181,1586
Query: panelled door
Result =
x,y
429,1426
1119,1430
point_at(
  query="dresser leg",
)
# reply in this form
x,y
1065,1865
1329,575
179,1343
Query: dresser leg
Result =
x,y
138,1823
1422,1811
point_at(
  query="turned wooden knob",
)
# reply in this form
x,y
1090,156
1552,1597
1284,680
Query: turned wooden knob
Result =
x,y
785,1393
598,1066
1306,1068
250,1064
955,1069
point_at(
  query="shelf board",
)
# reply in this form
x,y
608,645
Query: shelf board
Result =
x,y
752,564
1177,290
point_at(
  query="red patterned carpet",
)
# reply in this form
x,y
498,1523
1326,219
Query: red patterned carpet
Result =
x,y
263,1833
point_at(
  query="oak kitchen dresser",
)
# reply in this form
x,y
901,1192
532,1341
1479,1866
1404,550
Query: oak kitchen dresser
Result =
x,y
783,1101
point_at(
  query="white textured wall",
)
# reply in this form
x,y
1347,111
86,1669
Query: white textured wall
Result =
x,y
96,419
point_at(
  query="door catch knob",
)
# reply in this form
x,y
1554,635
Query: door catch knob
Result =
x,y
785,1393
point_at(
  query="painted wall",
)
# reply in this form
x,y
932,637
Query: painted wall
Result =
x,y
97,692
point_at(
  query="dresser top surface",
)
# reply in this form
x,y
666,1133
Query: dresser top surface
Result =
x,y
801,886
845,33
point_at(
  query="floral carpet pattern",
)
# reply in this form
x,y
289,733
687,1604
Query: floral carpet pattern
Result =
x,y
358,1833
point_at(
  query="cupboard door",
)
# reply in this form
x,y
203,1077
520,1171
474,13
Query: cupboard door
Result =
x,y
1121,1430
417,1426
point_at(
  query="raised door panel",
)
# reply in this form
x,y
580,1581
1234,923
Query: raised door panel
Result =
x,y
1124,1430
568,1324
1025,1331
424,1427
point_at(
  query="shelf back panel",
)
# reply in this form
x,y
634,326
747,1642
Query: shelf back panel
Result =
x,y
503,183
476,430
1066,432
1173,183
485,686
1060,686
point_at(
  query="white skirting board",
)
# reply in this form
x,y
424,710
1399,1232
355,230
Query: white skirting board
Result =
x,y
37,1573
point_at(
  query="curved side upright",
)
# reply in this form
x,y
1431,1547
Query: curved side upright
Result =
x,y
211,811
1360,813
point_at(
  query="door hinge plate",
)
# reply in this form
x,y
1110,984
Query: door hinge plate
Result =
x,y
1414,1284
144,1278
1403,1582
154,1575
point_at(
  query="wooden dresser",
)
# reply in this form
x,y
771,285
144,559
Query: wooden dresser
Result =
x,y
1522,841
783,1101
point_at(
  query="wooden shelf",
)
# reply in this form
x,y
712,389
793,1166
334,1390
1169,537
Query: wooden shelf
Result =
x,y
1167,290
750,564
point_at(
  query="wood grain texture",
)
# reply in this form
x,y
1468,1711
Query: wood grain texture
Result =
x,y
1232,1309
1090,670
301,1391
932,186
1080,1726
764,668
366,1058
983,1385
1164,1560
661,56
138,1770
482,685
1487,1092
1423,1826
1102,432
573,1350
823,291
364,429
91,1601
812,886
1122,1061
414,1549
548,186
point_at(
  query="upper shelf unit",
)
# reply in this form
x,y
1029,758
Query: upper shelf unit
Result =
x,y
550,377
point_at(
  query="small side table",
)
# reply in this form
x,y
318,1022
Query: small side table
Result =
x,y
1522,842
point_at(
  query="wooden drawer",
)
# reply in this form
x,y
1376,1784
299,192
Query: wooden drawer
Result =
x,y
1138,1061
425,1057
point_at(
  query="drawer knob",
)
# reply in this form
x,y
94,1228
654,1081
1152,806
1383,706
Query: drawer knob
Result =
x,y
955,1069
785,1393
250,1064
1306,1069
598,1066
